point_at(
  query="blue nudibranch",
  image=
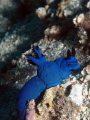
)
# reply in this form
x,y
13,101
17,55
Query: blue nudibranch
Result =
x,y
48,74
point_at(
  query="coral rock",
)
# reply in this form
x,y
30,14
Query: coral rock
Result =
x,y
49,1
41,12
88,69
85,90
76,94
88,5
46,105
53,32
79,19
30,111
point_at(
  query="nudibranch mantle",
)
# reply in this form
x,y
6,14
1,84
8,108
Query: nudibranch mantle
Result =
x,y
49,74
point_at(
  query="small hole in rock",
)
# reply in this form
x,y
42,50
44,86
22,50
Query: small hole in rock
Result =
x,y
68,90
47,104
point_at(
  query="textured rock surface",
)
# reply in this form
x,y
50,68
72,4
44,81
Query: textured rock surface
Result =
x,y
68,8
46,105
41,12
30,111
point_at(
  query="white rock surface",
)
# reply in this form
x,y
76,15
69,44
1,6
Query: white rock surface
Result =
x,y
78,19
41,12
76,94
88,5
49,1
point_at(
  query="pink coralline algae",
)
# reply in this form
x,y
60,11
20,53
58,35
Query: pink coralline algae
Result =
x,y
62,101
30,111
